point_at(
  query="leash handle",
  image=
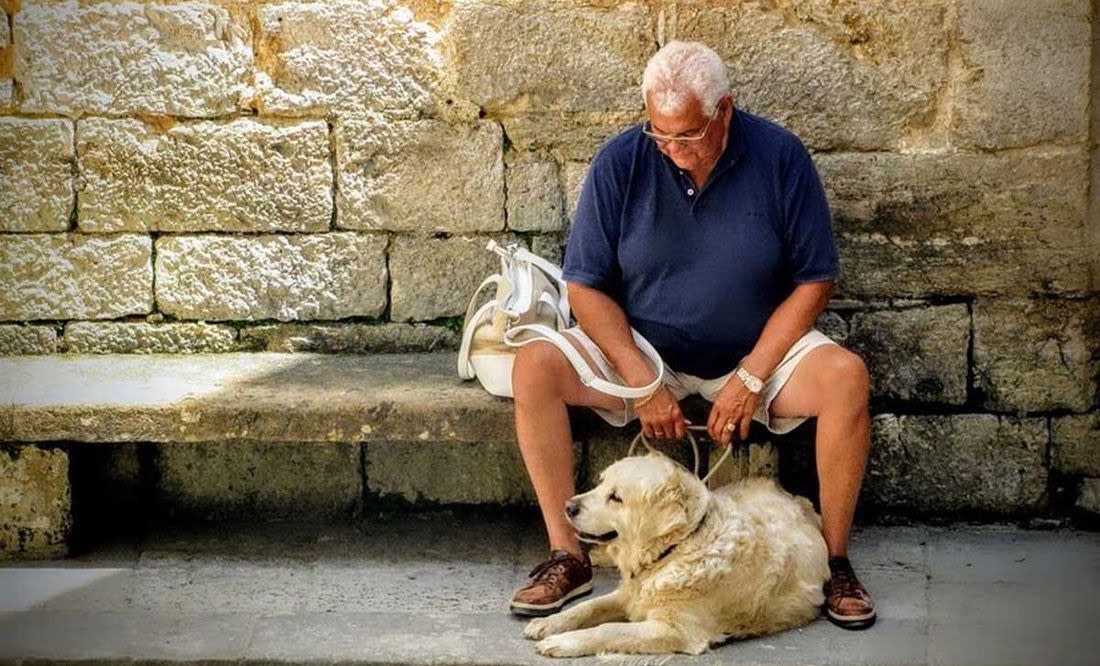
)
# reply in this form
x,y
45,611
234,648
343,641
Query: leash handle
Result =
x,y
640,437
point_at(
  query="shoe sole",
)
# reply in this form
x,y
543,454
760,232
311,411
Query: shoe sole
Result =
x,y
534,610
852,623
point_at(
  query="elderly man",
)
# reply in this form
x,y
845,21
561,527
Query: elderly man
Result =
x,y
706,229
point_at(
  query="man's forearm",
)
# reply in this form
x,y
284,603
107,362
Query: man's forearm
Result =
x,y
604,321
790,321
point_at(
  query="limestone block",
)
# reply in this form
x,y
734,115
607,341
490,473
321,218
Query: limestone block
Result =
x,y
544,55
1089,498
568,136
1025,73
435,277
17,340
74,276
917,354
7,94
550,247
323,276
35,502
251,479
846,74
833,325
1075,444
239,176
425,175
534,196
144,338
454,473
954,224
115,58
573,175
957,463
35,166
1036,355
345,56
349,338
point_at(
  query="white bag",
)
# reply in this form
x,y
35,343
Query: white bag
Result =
x,y
531,304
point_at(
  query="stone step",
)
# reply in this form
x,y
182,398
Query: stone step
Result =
x,y
99,439
431,589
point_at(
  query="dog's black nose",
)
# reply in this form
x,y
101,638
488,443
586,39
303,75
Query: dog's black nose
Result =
x,y
572,508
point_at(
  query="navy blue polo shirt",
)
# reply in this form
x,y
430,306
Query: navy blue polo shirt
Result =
x,y
699,271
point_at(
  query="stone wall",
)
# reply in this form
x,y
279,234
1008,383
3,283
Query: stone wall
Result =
x,y
221,175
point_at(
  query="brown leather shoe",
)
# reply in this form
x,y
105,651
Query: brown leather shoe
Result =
x,y
557,580
847,603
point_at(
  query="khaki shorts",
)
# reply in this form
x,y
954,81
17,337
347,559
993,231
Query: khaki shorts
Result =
x,y
683,384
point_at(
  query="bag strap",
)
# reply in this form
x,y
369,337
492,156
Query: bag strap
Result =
x,y
587,375
473,318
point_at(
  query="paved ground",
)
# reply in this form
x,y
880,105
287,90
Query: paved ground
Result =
x,y
434,590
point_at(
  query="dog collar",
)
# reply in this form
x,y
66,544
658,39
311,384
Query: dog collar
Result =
x,y
667,551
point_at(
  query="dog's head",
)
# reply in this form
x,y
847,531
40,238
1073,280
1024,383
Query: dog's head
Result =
x,y
642,505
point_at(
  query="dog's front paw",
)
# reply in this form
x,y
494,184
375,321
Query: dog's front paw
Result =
x,y
562,645
542,627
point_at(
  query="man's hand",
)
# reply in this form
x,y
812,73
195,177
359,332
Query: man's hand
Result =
x,y
735,404
661,416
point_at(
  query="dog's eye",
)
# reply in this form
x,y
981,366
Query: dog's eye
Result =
x,y
614,497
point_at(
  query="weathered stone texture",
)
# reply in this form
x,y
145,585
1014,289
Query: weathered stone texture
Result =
x,y
916,354
425,175
143,338
543,55
956,224
35,502
567,136
240,176
534,196
349,338
550,247
73,276
324,276
1036,355
1075,444
1025,73
1089,497
345,57
267,480
36,171
960,463
435,277
833,325
573,175
19,340
843,74
114,58
459,473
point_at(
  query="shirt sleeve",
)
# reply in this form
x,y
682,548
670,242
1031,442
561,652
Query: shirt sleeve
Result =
x,y
591,251
808,240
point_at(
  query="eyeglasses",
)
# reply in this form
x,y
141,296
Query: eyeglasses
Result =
x,y
664,139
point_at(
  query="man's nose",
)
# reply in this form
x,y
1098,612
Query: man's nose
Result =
x,y
572,508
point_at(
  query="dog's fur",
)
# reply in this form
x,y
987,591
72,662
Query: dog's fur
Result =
x,y
754,566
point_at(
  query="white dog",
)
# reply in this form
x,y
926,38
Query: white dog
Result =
x,y
697,567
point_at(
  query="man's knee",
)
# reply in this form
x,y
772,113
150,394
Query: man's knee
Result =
x,y
537,370
848,376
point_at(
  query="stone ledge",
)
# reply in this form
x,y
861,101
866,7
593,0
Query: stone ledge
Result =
x,y
260,397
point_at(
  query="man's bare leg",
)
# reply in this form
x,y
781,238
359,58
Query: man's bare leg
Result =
x,y
544,382
831,383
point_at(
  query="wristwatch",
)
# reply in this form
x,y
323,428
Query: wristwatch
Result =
x,y
753,383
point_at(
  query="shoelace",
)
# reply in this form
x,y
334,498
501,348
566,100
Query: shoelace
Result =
x,y
845,583
551,571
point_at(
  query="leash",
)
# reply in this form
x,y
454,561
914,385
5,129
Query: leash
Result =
x,y
694,448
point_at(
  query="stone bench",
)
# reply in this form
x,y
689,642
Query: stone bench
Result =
x,y
261,435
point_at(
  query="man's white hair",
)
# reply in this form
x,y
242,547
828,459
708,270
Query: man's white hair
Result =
x,y
680,71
